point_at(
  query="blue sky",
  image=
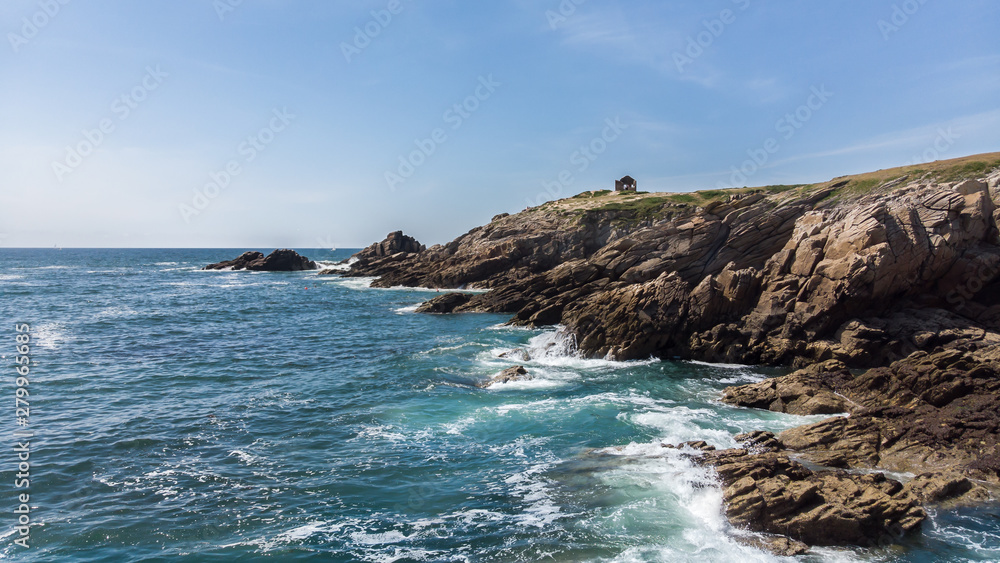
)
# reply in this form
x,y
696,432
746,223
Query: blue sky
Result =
x,y
274,123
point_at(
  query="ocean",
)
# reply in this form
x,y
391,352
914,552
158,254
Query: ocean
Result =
x,y
185,415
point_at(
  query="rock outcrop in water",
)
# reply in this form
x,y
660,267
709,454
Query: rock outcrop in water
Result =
x,y
283,260
511,374
931,413
382,258
766,491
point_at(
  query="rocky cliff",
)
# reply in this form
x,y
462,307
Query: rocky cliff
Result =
x,y
897,271
863,269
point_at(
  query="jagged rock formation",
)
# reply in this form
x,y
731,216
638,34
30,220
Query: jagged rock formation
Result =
x,y
382,258
394,243
508,249
794,277
935,415
766,491
283,260
929,413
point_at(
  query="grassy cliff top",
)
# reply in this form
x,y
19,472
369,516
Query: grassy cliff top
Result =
x,y
844,188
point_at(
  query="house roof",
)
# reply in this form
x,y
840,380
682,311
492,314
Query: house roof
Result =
x,y
627,180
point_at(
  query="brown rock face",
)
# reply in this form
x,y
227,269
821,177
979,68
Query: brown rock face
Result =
x,y
803,392
382,259
827,292
283,260
937,412
509,248
767,492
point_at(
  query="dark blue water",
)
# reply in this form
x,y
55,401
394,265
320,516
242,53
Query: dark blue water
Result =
x,y
182,415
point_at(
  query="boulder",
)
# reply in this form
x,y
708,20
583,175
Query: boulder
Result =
x,y
283,260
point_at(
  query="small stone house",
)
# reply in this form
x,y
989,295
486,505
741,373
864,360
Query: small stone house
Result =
x,y
626,184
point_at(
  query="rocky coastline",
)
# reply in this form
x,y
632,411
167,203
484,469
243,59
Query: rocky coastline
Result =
x,y
882,289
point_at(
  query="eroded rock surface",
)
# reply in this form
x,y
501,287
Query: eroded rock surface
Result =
x,y
769,492
931,412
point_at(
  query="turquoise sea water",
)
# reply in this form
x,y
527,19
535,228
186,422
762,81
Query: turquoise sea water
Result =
x,y
183,415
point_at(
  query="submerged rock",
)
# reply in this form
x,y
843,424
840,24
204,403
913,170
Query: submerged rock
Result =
x,y
283,260
779,545
516,373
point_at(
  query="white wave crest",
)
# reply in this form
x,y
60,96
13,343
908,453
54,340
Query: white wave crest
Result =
x,y
337,266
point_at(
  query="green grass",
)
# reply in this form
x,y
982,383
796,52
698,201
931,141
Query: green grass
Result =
x,y
967,170
712,194
635,210
588,195
862,186
682,198
780,188
634,207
